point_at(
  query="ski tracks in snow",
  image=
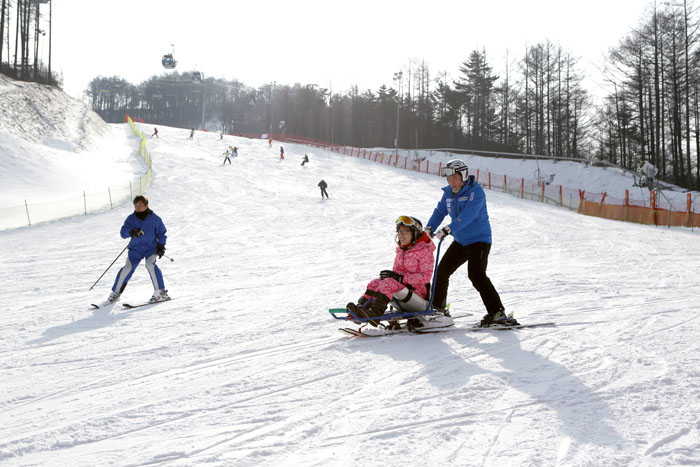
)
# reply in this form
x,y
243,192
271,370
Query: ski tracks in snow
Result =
x,y
247,368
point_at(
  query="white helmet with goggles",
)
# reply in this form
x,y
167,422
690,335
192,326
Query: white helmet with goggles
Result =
x,y
455,166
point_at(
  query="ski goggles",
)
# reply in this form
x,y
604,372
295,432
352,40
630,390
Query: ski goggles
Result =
x,y
447,171
409,221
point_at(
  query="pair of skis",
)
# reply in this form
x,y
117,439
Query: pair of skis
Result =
x,y
391,332
126,305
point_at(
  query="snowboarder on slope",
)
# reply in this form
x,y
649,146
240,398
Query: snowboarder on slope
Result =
x,y
147,233
155,132
305,160
323,185
464,200
407,282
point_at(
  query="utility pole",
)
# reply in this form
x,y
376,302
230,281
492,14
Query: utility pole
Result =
x,y
398,77
50,33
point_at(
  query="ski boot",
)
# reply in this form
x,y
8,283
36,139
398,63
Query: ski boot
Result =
x,y
160,295
497,319
113,297
369,307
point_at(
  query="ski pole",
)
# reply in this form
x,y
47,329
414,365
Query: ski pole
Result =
x,y
115,260
166,256
432,286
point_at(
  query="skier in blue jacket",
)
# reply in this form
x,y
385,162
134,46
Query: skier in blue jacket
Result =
x,y
465,202
147,233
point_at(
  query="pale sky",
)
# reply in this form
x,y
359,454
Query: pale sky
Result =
x,y
314,41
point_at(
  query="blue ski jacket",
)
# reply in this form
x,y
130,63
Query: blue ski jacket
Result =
x,y
467,209
153,233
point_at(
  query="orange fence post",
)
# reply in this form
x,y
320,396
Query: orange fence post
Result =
x,y
522,187
542,192
489,182
505,184
653,205
627,205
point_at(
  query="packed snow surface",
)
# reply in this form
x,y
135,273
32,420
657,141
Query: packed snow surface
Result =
x,y
53,147
245,367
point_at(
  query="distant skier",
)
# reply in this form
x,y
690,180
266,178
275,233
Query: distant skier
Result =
x,y
192,134
155,133
147,233
304,160
407,282
234,151
281,153
323,185
269,141
227,153
464,200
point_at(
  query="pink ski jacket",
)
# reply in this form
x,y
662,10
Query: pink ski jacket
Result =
x,y
416,264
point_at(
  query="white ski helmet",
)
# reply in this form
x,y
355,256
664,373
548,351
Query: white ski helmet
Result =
x,y
455,166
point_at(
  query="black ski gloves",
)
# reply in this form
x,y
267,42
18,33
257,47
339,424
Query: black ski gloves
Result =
x,y
386,274
160,250
136,232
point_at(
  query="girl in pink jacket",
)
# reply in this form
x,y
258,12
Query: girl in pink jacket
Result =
x,y
411,274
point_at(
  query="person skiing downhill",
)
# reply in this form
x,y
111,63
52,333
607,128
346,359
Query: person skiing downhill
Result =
x,y
147,233
323,185
281,153
155,133
305,160
408,282
465,202
227,157
192,133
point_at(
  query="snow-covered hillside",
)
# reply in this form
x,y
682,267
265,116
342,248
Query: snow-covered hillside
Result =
x,y
246,368
575,175
53,146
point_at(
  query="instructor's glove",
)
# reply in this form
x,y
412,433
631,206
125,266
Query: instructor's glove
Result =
x,y
136,232
386,274
443,232
160,250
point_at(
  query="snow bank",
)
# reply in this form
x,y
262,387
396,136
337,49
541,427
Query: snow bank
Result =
x,y
53,147
574,175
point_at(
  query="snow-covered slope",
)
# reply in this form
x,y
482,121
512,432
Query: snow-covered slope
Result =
x,y
245,367
575,175
53,146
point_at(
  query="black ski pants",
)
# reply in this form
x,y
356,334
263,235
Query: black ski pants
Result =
x,y
324,193
477,256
